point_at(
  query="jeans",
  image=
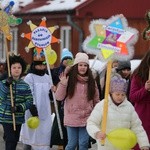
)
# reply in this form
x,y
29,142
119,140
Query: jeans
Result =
x,y
77,136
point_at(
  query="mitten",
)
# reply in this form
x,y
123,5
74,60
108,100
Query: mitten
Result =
x,y
9,81
16,109
33,110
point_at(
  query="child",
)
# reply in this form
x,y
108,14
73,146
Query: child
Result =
x,y
80,92
121,114
22,98
40,85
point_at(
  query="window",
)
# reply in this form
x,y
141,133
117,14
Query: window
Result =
x,y
65,36
13,44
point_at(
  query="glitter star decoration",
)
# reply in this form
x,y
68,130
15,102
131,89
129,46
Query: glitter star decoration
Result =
x,y
111,38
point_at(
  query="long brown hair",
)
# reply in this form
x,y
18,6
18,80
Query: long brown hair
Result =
x,y
143,69
73,73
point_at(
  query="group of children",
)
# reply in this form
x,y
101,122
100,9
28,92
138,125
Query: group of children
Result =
x,y
83,110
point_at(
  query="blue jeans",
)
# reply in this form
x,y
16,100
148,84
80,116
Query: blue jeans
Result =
x,y
77,136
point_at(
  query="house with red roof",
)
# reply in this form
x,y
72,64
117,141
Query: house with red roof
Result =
x,y
73,18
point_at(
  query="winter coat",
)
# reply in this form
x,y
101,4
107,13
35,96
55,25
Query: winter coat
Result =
x,y
78,108
22,97
122,116
141,97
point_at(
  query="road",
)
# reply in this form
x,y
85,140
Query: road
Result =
x,y
20,146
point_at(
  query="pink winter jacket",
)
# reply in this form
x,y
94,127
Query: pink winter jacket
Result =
x,y
78,108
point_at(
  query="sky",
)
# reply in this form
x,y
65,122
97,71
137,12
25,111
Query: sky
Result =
x,y
52,5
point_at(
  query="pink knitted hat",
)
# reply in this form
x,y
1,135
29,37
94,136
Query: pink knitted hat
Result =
x,y
81,57
118,84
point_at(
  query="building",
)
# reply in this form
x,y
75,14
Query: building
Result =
x,y
73,18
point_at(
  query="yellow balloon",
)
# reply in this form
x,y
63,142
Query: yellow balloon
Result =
x,y
51,56
122,138
33,122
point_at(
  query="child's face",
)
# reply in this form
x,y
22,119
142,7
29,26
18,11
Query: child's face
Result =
x,y
125,73
82,68
118,97
16,70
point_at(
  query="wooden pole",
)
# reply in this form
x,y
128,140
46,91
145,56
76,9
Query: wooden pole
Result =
x,y
105,107
10,87
55,103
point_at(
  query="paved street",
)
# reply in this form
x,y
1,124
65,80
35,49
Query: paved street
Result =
x,y
20,147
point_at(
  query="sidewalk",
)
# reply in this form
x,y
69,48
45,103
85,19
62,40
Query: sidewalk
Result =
x,y
20,146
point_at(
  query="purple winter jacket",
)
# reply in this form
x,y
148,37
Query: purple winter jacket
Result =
x,y
141,98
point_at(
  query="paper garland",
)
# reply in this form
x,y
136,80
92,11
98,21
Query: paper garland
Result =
x,y
111,39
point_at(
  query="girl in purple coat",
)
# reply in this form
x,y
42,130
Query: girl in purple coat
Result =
x,y
140,92
80,92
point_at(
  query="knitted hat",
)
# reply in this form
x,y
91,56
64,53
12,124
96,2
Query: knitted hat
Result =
x,y
123,65
66,54
81,57
118,84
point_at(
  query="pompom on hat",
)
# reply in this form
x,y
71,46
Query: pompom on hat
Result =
x,y
81,57
66,54
118,84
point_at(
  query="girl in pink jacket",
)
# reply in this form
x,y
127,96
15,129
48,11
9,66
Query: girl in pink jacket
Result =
x,y
81,92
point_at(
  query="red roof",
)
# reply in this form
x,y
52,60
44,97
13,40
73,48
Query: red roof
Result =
x,y
107,8
99,8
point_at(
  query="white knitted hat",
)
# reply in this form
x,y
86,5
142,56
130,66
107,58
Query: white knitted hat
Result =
x,y
81,57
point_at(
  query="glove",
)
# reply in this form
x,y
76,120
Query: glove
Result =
x,y
51,96
9,81
33,111
16,109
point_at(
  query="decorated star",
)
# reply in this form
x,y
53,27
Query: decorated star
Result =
x,y
111,38
40,36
